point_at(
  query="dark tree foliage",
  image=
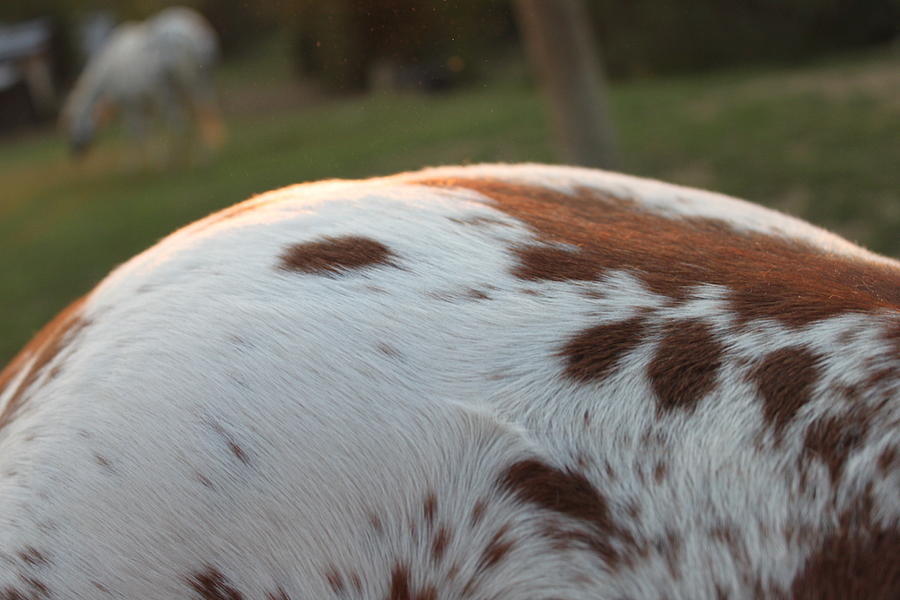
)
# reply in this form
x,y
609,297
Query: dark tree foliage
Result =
x,y
340,41
645,37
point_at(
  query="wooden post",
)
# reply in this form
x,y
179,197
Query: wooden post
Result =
x,y
561,48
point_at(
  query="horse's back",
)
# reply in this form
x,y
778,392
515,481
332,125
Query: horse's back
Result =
x,y
183,32
489,382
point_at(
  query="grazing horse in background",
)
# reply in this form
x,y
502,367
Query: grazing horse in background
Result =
x,y
160,69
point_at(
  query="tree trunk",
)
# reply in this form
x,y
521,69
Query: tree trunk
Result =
x,y
561,48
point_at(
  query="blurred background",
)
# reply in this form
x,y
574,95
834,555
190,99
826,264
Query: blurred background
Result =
x,y
794,104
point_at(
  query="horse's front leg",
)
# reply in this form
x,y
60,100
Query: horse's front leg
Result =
x,y
134,119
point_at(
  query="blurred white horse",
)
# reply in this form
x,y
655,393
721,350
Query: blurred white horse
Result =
x,y
159,70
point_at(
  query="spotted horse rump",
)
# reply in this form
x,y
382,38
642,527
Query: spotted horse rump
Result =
x,y
496,382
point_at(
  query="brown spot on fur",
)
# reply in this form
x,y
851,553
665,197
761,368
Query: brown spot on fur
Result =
x,y
669,547
38,589
728,536
375,522
334,579
858,559
211,584
102,461
478,221
278,594
785,379
470,587
32,556
685,365
477,294
497,548
592,354
335,255
356,581
888,460
768,277
633,510
478,512
659,471
388,350
572,495
233,446
237,451
430,508
39,352
439,544
721,592
893,337
100,587
429,592
582,460
832,439
401,589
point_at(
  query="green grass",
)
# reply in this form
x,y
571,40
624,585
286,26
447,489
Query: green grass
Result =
x,y
821,141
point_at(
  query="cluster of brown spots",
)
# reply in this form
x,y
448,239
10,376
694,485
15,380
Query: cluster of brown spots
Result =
x,y
278,594
832,439
786,378
858,559
32,556
683,370
334,579
594,353
341,583
29,586
335,255
41,350
400,587
768,277
496,550
685,365
569,494
34,590
211,584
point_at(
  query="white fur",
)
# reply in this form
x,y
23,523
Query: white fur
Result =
x,y
202,341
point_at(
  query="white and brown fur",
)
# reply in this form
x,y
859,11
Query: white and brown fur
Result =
x,y
487,383
157,72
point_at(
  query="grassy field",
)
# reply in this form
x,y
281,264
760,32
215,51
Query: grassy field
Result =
x,y
821,141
